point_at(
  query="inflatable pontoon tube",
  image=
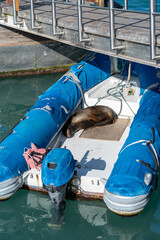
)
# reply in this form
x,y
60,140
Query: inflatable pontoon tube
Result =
x,y
135,172
46,118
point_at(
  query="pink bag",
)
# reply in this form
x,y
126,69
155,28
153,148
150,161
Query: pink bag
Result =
x,y
34,156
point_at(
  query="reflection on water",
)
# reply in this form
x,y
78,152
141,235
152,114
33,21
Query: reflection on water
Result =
x,y
27,215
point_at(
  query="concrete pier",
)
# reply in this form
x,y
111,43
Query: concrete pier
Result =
x,y
23,51
132,30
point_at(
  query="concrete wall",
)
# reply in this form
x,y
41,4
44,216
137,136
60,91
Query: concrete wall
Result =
x,y
21,51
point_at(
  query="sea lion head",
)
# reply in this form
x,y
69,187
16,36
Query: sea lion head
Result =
x,y
113,116
70,130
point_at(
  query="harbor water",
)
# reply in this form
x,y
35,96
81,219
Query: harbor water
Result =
x,y
28,215
142,5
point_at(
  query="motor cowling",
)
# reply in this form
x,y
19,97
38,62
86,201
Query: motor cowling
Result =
x,y
57,168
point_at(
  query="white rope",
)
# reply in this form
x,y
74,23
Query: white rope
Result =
x,y
129,77
142,141
155,153
73,78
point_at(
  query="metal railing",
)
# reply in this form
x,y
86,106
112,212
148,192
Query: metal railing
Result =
x,y
15,21
33,26
153,14
2,17
80,5
125,4
80,27
112,26
54,20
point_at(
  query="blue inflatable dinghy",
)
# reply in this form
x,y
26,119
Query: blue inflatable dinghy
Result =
x,y
135,173
46,118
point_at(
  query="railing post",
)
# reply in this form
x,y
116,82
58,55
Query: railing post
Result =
x,y
79,20
1,16
112,29
54,20
112,32
80,27
153,10
0,8
33,16
15,10
125,4
14,13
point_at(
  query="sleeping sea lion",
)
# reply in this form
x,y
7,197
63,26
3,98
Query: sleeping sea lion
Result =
x,y
88,117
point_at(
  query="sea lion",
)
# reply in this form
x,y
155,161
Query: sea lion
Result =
x,y
88,117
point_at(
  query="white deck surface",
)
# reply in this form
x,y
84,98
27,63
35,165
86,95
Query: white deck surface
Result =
x,y
97,157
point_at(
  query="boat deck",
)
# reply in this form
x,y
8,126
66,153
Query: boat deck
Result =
x,y
96,149
95,160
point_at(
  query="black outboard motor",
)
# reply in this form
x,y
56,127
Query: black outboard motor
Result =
x,y
57,170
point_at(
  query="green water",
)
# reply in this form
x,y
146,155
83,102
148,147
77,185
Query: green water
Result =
x,y
142,5
27,215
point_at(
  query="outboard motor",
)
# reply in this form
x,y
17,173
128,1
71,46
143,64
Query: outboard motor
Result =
x,y
57,170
